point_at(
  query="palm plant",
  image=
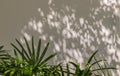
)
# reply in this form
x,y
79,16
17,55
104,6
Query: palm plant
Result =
x,y
88,70
6,62
31,61
26,62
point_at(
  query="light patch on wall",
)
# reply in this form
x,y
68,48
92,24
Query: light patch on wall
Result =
x,y
74,36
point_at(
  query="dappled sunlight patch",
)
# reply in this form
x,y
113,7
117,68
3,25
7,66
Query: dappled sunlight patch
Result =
x,y
74,37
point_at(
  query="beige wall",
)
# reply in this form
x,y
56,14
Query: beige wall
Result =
x,y
14,14
93,26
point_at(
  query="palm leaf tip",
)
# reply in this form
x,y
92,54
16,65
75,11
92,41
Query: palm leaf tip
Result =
x,y
27,44
23,49
38,49
44,52
91,57
33,48
47,59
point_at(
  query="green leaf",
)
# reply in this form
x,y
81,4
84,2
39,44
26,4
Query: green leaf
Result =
x,y
6,72
91,57
44,52
96,62
86,71
18,60
38,50
12,72
21,53
106,71
24,51
61,70
99,65
104,68
68,71
28,47
33,50
48,58
77,67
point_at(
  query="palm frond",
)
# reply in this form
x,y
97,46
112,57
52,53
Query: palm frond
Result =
x,y
33,50
61,70
43,53
28,47
91,57
21,53
38,50
48,58
24,51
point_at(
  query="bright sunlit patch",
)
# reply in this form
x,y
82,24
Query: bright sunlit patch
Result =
x,y
28,37
81,21
72,34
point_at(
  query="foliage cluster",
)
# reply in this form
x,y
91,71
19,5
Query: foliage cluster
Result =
x,y
31,61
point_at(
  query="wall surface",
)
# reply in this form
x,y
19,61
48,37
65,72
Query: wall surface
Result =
x,y
14,15
74,28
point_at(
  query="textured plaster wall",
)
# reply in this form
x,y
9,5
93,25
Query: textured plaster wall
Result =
x,y
74,28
